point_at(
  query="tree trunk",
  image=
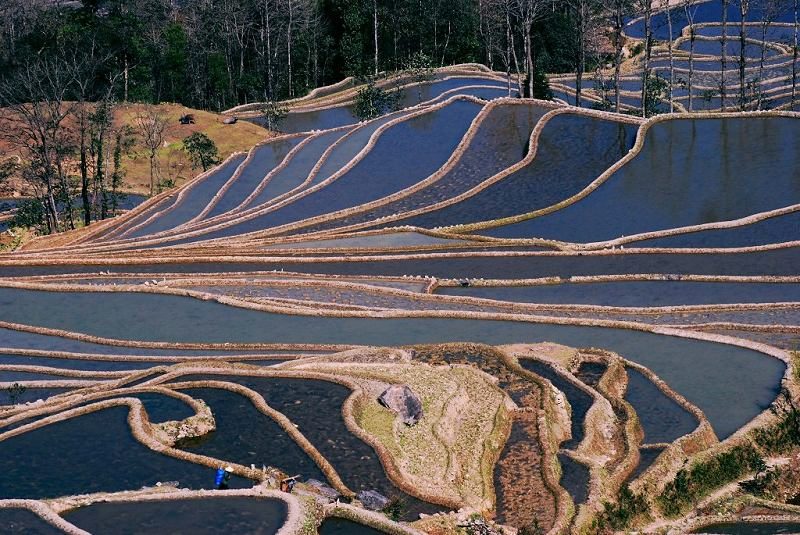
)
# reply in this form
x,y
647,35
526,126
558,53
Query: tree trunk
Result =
x,y
766,20
508,52
289,49
375,31
152,173
743,8
446,42
692,38
618,19
125,78
795,52
648,40
267,28
87,209
516,65
529,59
671,56
581,60
722,91
51,203
100,174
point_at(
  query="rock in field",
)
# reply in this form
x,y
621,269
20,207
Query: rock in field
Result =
x,y
325,490
373,500
402,400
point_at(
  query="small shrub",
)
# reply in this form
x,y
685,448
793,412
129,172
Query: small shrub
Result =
x,y
373,101
30,214
532,529
689,485
14,392
395,508
273,114
202,150
784,435
656,93
541,86
619,515
761,483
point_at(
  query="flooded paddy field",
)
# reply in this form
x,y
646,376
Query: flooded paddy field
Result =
x,y
115,462
681,191
751,528
472,307
248,515
21,521
636,294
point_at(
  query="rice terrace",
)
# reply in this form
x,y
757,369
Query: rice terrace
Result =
x,y
412,267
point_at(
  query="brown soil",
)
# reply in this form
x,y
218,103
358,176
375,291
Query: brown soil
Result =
x,y
522,495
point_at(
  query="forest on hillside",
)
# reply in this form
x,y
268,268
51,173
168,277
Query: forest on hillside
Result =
x,y
215,54
66,66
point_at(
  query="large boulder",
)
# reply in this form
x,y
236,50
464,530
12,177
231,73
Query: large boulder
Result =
x,y
323,489
402,400
372,500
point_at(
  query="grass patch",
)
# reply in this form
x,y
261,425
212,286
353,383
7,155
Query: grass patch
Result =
x,y
379,422
783,436
174,162
450,452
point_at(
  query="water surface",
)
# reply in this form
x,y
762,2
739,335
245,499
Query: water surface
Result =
x,y
573,150
635,293
689,172
579,401
744,375
662,419
259,516
24,522
54,461
574,478
245,435
751,528
341,526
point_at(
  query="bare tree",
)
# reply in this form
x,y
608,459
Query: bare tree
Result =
x,y
289,28
84,68
668,9
264,48
744,8
101,124
690,11
375,31
151,124
647,7
770,10
616,11
583,11
485,29
795,50
529,12
34,120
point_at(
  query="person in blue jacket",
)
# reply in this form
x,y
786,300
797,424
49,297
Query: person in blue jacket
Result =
x,y
223,477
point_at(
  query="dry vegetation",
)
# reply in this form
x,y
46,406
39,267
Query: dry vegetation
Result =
x,y
173,160
451,451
